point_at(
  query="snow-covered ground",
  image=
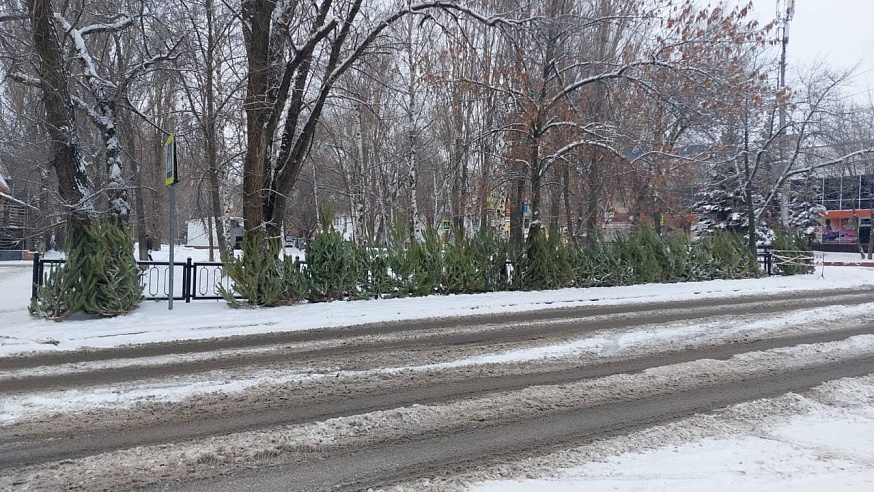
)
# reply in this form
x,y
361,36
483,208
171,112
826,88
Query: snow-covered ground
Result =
x,y
799,443
793,443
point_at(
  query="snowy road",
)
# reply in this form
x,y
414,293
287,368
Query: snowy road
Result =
x,y
408,399
475,446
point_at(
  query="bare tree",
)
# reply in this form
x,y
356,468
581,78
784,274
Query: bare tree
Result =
x,y
295,54
210,88
53,81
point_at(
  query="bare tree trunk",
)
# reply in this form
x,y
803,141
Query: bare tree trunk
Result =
x,y
256,16
458,188
516,214
210,139
536,190
60,121
593,202
157,217
207,222
485,218
566,199
412,180
555,207
139,202
594,175
413,176
748,192
360,185
217,216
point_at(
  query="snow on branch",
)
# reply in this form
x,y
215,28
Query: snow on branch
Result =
x,y
455,7
12,16
10,198
170,55
622,72
89,110
833,162
25,79
123,22
89,68
585,143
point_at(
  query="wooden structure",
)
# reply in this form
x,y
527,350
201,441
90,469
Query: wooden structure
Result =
x,y
13,219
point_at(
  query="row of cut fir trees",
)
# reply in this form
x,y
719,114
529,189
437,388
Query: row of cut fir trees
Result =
x,y
339,269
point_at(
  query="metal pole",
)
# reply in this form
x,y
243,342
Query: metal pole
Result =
x,y
172,241
37,276
784,194
785,15
170,179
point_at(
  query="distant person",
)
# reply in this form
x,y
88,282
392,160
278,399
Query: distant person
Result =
x,y
149,247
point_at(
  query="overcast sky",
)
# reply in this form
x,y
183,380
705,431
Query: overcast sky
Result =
x,y
838,32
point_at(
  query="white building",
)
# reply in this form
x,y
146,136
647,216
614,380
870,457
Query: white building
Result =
x,y
197,232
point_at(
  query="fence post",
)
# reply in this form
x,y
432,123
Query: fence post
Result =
x,y
37,277
188,280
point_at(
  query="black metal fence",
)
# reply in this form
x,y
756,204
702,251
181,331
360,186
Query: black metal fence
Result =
x,y
200,280
192,280
766,259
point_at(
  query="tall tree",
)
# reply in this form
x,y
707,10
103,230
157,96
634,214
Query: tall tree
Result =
x,y
295,53
210,89
53,81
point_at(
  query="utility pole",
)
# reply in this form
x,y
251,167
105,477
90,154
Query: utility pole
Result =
x,y
785,12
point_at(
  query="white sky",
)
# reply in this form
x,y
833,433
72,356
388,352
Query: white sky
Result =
x,y
836,32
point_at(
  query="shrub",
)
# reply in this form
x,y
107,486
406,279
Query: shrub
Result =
x,y
725,255
462,269
400,263
645,254
53,300
262,277
546,264
680,256
377,280
100,276
490,255
427,262
334,266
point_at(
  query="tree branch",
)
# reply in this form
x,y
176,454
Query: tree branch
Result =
x,y
23,78
145,65
124,21
12,16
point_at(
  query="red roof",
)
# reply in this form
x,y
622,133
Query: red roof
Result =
x,y
846,214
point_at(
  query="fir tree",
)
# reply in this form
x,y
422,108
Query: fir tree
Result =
x,y
100,276
722,206
805,215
